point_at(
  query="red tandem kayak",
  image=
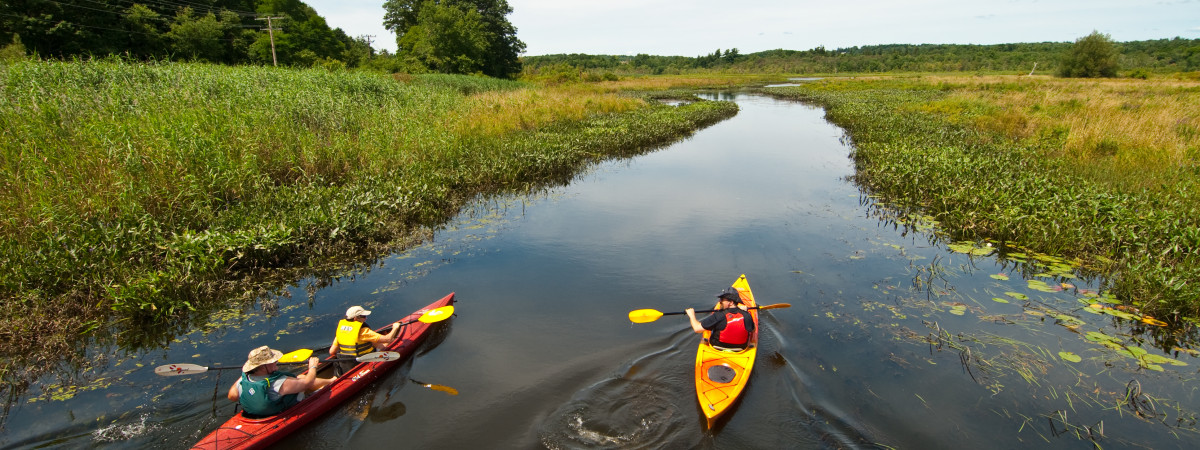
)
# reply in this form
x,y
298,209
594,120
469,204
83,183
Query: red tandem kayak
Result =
x,y
240,432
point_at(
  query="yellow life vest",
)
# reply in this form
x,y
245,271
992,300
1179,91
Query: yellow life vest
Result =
x,y
347,339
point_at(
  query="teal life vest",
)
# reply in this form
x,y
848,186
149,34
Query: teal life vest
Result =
x,y
258,399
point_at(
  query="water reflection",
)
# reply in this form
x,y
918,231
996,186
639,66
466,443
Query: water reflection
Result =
x,y
795,82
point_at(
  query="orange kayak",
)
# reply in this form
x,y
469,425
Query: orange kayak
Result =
x,y
721,375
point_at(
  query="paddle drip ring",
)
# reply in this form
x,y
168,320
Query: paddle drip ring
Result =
x,y
721,374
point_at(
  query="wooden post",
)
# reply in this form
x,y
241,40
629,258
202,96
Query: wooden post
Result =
x,y
271,30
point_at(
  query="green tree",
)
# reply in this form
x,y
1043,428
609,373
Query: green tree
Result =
x,y
467,24
145,37
1092,56
203,38
446,39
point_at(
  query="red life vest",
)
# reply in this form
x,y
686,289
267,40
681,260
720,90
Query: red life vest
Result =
x,y
735,332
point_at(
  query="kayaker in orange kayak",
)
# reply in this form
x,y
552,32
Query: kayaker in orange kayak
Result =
x,y
731,326
354,338
264,390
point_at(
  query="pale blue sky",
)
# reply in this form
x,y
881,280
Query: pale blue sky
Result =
x,y
698,27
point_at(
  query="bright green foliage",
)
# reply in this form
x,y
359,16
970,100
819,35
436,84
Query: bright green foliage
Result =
x,y
445,39
455,36
200,37
1092,56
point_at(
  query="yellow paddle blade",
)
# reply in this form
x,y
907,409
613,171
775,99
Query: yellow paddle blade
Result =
x,y
644,315
437,387
446,389
296,356
437,314
776,306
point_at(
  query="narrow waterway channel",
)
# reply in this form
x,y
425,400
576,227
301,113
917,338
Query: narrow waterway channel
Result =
x,y
894,339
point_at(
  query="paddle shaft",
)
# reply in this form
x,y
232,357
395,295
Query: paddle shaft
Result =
x,y
712,310
291,362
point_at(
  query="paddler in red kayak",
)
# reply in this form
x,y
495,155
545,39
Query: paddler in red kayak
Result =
x,y
731,326
264,390
354,338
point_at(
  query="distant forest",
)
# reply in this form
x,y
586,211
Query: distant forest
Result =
x,y
1158,56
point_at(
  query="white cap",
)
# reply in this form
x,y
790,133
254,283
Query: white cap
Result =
x,y
356,311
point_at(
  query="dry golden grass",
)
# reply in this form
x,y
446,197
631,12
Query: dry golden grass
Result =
x,y
668,82
1118,126
496,113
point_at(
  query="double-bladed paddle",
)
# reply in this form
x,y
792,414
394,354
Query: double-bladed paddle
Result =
x,y
650,315
431,316
171,370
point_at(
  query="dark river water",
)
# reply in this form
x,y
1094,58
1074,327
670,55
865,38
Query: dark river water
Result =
x,y
894,339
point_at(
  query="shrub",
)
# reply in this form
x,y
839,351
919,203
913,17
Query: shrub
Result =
x,y
1092,56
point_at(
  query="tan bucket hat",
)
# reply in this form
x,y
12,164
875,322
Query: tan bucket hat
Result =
x,y
356,311
261,356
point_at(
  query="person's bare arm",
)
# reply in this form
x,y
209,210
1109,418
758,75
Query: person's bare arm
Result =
x,y
303,383
691,313
233,390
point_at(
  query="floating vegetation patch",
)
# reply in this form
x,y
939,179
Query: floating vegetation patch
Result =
x,y
971,249
1040,327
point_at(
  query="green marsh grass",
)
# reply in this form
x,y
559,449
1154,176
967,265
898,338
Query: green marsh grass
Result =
x,y
136,198
1104,171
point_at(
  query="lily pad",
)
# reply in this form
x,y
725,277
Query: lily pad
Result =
x,y
1017,295
1000,276
1069,356
1039,285
999,300
969,248
1096,336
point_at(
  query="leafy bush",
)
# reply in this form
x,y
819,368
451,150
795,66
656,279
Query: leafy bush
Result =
x,y
1092,56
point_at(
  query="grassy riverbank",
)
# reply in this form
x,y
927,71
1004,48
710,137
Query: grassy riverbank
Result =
x,y
137,197
1105,171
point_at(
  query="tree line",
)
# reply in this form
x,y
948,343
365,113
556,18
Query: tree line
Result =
x,y
1162,55
215,31
438,36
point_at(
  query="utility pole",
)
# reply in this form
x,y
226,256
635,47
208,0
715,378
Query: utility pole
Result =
x,y
271,30
370,51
